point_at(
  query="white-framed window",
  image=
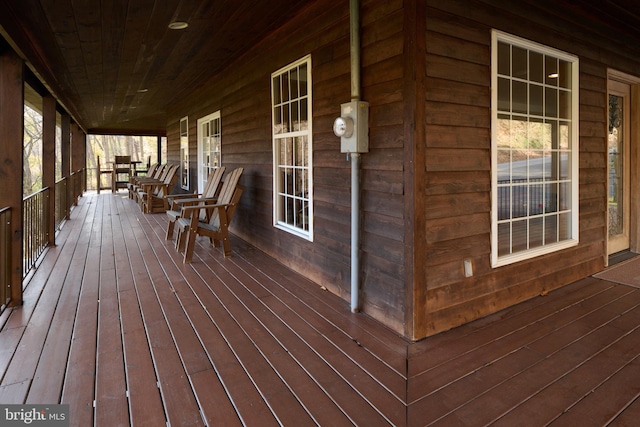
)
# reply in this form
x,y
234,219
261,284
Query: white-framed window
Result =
x,y
209,147
184,153
534,149
292,148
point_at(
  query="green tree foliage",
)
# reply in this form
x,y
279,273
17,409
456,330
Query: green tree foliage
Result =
x,y
32,154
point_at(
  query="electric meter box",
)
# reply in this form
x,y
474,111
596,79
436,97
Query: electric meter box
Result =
x,y
353,127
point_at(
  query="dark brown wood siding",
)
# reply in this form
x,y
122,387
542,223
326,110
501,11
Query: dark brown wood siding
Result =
x,y
242,94
458,157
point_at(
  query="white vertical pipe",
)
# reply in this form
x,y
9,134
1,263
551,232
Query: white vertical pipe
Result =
x,y
354,11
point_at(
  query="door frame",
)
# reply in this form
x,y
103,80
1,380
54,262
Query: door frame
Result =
x,y
634,161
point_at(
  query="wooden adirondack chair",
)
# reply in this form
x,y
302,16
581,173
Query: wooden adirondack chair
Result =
x,y
158,175
208,195
193,223
151,195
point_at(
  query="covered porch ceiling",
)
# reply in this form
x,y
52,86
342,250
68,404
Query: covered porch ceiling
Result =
x,y
116,65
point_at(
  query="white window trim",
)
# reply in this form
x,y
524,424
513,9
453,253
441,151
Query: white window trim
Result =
x,y
201,121
497,261
305,234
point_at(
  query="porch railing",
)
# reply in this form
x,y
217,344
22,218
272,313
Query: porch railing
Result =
x,y
35,228
61,202
5,257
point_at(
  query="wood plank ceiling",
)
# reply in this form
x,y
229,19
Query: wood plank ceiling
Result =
x,y
116,66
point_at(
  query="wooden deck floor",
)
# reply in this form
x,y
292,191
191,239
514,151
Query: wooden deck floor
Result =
x,y
118,328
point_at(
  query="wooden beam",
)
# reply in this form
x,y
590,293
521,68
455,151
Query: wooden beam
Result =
x,y
415,170
11,156
49,161
65,126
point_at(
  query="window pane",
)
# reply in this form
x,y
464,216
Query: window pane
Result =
x,y
294,82
285,87
303,80
504,202
504,94
536,164
564,78
519,238
536,199
551,229
277,120
286,119
564,226
519,201
564,105
520,103
504,59
551,102
519,63
504,131
564,196
504,239
295,116
277,91
536,67
565,137
551,198
551,70
536,232
564,166
504,166
536,102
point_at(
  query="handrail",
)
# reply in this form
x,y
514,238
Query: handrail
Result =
x,y
35,238
5,257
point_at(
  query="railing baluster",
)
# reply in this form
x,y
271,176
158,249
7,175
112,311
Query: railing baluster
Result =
x,y
35,214
5,257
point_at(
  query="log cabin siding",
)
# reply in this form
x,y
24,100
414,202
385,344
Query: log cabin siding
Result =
x,y
458,159
243,96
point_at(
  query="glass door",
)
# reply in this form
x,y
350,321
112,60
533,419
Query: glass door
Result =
x,y
618,166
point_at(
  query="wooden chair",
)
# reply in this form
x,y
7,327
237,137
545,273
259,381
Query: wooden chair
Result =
x,y
99,173
208,195
146,169
121,172
151,195
157,172
193,223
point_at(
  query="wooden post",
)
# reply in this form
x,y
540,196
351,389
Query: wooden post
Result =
x,y
74,161
159,150
78,159
65,126
11,158
49,161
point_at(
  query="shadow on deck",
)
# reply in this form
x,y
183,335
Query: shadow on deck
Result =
x,y
118,328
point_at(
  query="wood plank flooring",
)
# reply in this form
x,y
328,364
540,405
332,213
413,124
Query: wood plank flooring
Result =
x,y
117,327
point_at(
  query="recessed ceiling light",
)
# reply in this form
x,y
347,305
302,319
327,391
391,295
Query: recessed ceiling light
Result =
x,y
554,75
178,25
143,90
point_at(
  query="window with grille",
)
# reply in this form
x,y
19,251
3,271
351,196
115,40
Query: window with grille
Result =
x,y
209,147
534,149
292,142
